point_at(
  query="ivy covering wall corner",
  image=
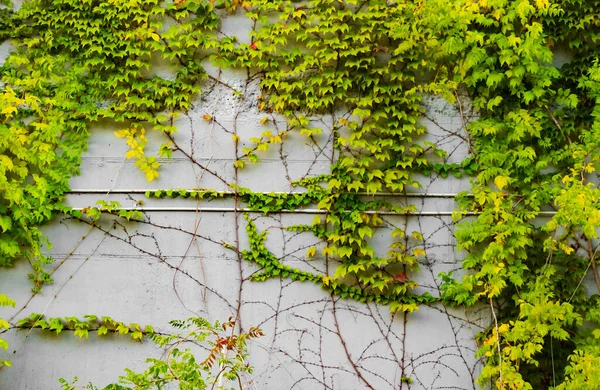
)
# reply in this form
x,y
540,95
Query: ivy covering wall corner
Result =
x,y
350,79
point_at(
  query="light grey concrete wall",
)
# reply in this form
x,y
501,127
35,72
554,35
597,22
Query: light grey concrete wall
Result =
x,y
152,272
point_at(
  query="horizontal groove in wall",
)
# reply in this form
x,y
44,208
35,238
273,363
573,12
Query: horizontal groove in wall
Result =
x,y
299,211
142,191
177,160
119,257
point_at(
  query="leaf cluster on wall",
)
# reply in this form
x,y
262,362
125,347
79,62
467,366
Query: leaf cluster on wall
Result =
x,y
528,226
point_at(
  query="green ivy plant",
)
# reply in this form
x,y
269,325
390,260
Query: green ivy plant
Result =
x,y
528,226
5,301
82,327
77,63
536,153
224,365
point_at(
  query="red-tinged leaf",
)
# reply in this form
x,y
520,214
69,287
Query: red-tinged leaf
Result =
x,y
401,277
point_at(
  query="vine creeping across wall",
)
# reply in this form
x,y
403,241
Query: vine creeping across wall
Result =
x,y
351,78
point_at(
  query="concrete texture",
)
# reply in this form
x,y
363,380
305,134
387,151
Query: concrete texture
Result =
x,y
152,272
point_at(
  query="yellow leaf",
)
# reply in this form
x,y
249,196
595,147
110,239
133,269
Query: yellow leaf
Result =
x,y
418,252
155,37
417,235
122,133
9,110
316,220
4,324
151,175
567,249
501,181
311,252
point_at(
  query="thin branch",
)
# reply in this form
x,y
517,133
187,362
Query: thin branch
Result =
x,y
497,343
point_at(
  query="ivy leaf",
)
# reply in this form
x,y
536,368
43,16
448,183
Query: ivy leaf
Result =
x,y
501,181
365,231
5,223
137,335
401,277
81,333
345,251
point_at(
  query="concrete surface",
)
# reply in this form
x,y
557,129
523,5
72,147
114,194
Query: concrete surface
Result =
x,y
152,272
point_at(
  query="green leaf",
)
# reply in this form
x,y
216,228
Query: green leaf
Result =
x,y
102,330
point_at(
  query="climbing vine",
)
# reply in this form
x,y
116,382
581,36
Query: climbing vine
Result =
x,y
228,352
5,301
360,71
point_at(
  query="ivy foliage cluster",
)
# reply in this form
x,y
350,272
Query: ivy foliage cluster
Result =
x,y
5,301
227,356
82,327
75,64
367,65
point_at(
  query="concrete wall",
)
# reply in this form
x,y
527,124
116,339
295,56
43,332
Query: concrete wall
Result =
x,y
152,272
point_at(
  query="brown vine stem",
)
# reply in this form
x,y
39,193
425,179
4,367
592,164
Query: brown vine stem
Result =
x,y
404,318
197,212
464,123
580,281
592,254
33,295
403,375
236,219
66,282
593,261
215,79
196,225
327,212
219,377
178,343
159,256
192,159
558,126
343,342
497,343
194,240
385,335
